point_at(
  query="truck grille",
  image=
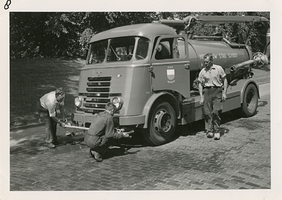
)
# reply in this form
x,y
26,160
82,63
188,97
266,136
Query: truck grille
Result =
x,y
98,93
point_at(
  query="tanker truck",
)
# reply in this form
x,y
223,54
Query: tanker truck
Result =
x,y
149,70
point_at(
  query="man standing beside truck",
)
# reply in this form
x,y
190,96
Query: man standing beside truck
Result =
x,y
213,84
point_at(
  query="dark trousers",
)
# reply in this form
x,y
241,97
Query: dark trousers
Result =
x,y
50,125
95,143
212,107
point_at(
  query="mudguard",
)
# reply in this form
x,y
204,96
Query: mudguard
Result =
x,y
240,85
147,108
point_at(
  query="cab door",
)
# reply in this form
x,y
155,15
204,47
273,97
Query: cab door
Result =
x,y
169,65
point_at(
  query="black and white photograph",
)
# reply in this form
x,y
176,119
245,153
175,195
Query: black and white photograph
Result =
x,y
140,103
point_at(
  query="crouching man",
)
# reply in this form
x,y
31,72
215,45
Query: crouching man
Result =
x,y
100,131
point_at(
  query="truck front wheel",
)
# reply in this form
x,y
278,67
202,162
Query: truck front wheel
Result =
x,y
250,101
162,122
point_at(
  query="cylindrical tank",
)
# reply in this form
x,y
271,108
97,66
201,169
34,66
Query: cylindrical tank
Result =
x,y
224,54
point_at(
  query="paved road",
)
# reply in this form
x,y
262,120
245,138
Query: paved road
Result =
x,y
239,160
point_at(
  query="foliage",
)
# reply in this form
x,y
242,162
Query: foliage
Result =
x,y
66,34
253,34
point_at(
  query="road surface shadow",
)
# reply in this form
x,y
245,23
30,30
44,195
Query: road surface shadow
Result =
x,y
36,144
115,151
198,127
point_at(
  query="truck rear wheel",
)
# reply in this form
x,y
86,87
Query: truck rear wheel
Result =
x,y
250,101
162,122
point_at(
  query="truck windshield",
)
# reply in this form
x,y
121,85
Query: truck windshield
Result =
x,y
118,49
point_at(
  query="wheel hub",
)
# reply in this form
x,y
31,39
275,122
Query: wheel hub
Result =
x,y
162,121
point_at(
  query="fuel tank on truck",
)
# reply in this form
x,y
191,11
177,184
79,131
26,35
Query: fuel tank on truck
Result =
x,y
224,54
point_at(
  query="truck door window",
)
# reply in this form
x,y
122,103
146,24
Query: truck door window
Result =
x,y
164,49
180,48
171,48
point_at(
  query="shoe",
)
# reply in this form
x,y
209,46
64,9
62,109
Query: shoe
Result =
x,y
91,154
217,136
96,156
209,134
51,145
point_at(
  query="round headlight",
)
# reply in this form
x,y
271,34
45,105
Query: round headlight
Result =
x,y
78,101
118,102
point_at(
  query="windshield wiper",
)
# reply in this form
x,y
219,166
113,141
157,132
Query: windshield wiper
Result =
x,y
118,58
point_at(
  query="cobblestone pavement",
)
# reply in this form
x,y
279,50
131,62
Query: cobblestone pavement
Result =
x,y
239,160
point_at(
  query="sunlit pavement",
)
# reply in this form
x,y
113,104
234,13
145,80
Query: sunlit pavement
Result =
x,y
239,160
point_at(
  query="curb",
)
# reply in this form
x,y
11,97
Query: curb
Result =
x,y
41,124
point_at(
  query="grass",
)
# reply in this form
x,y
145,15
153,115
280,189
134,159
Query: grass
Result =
x,y
32,78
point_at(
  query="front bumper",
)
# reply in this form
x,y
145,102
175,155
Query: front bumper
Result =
x,y
85,119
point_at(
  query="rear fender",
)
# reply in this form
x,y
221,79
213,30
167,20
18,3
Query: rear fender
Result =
x,y
156,97
241,85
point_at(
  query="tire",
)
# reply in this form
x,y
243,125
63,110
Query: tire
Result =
x,y
162,124
250,101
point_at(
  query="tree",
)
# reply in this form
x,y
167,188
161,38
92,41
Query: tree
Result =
x,y
54,34
57,34
253,34
26,32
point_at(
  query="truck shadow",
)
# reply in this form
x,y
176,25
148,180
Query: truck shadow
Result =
x,y
195,129
115,151
198,127
124,146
